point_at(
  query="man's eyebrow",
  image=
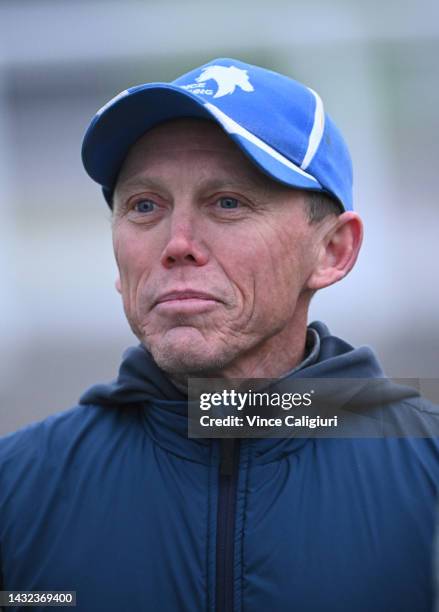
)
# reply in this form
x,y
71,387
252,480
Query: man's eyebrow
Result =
x,y
223,183
228,182
139,182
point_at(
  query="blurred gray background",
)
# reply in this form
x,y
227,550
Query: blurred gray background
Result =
x,y
375,65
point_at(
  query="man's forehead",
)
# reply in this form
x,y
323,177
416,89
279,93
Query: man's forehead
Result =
x,y
186,134
200,138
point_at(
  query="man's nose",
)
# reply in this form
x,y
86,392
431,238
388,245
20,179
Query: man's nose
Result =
x,y
184,245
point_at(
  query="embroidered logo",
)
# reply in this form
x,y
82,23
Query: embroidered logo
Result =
x,y
227,79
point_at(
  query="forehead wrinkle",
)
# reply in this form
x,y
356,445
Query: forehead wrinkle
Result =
x,y
145,155
142,168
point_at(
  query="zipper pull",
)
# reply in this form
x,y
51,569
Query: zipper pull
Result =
x,y
227,456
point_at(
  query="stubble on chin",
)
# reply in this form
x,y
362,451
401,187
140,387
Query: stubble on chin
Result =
x,y
181,355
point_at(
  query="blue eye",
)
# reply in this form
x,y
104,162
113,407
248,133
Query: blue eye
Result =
x,y
228,203
144,206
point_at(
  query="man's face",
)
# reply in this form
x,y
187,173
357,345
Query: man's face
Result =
x,y
213,256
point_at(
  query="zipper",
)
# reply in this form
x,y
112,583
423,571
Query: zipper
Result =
x,y
228,480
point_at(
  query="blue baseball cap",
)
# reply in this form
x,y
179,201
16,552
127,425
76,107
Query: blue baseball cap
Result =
x,y
280,124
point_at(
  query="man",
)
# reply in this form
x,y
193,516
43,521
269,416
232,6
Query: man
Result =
x,y
231,196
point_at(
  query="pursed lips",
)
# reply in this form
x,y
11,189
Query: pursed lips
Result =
x,y
186,295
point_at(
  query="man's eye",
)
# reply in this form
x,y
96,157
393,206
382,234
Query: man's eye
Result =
x,y
228,203
144,206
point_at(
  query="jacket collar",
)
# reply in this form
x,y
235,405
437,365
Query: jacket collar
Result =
x,y
142,385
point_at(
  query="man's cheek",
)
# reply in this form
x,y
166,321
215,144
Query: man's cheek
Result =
x,y
128,290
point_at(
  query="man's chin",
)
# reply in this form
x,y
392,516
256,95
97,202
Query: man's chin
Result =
x,y
186,363
185,351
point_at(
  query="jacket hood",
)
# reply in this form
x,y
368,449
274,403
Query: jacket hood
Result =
x,y
141,381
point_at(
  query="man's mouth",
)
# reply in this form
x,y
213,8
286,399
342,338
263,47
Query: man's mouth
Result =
x,y
186,301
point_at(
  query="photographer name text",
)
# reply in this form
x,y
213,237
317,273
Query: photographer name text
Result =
x,y
264,422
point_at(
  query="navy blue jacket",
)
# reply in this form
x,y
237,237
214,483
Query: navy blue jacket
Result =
x,y
111,499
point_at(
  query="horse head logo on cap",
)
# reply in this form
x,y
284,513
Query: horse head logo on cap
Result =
x,y
227,78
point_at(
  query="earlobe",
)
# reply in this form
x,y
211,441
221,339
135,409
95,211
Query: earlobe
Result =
x,y
118,285
338,251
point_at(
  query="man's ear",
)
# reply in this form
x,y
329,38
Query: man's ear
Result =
x,y
118,285
338,251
